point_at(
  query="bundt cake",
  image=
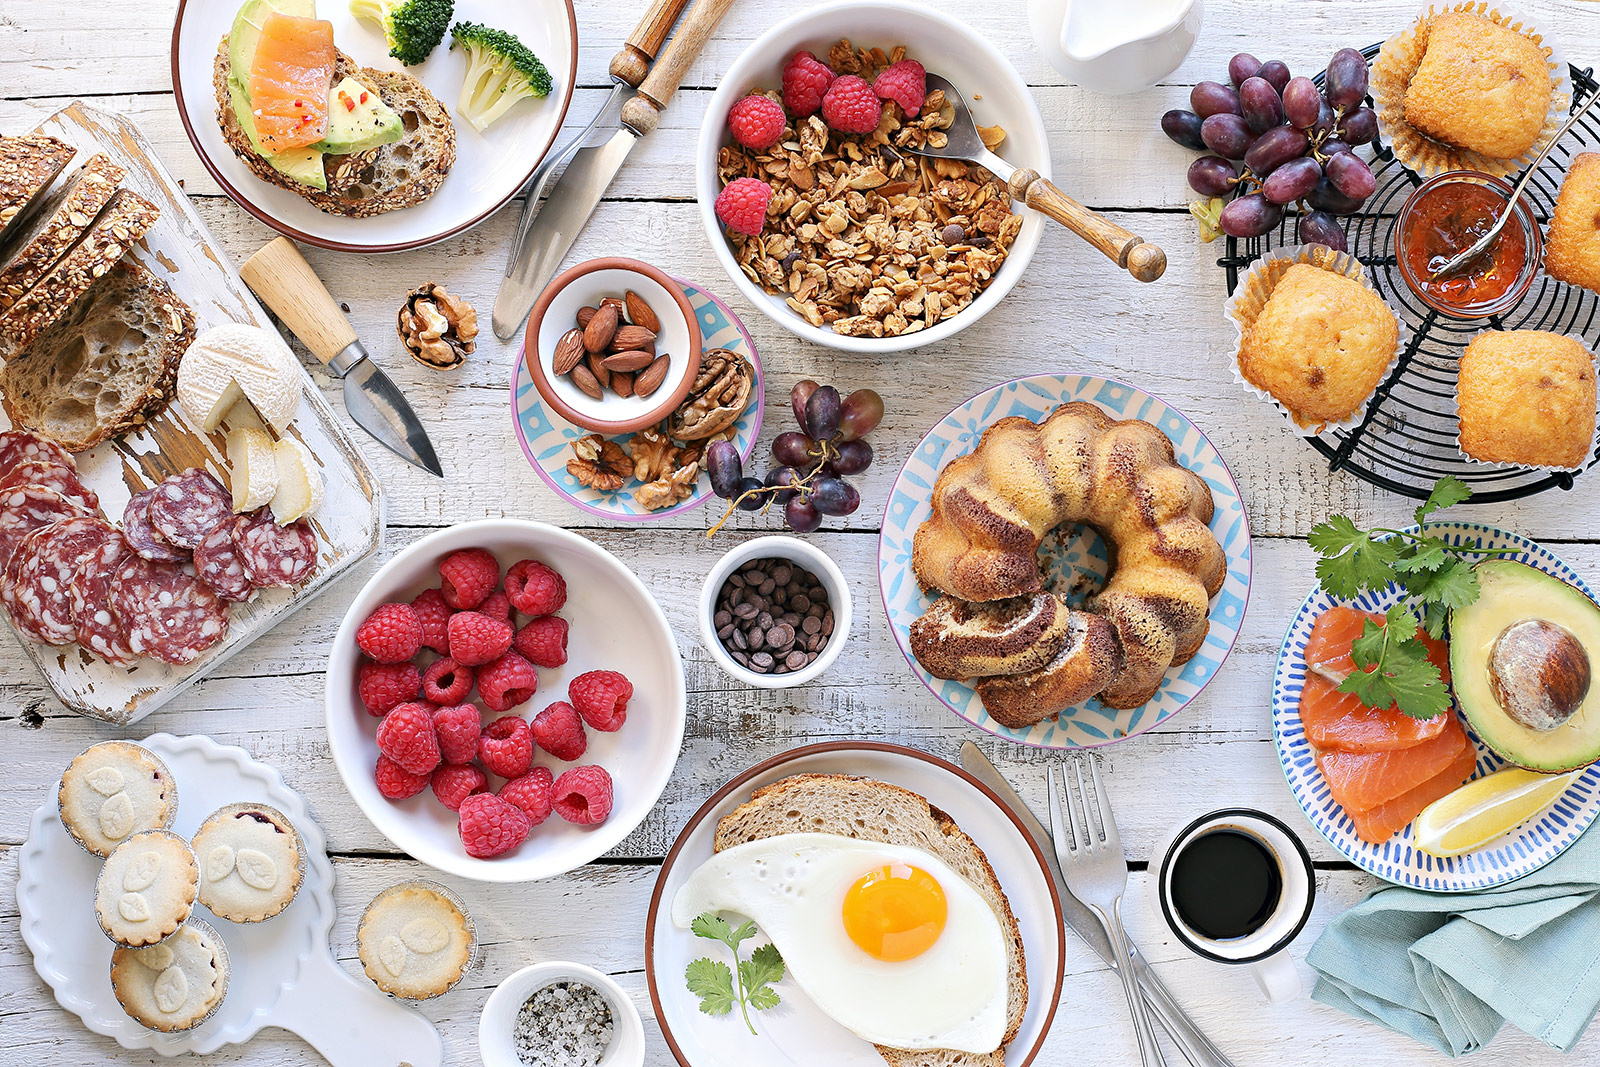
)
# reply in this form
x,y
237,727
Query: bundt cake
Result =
x,y
958,639
1081,667
993,506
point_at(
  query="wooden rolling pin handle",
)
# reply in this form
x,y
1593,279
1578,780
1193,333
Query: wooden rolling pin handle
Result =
x,y
642,113
1144,261
286,283
633,61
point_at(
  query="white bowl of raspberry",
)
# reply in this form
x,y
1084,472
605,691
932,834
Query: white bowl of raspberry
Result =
x,y
505,700
795,248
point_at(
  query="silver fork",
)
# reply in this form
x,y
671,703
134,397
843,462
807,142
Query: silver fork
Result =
x,y
1096,871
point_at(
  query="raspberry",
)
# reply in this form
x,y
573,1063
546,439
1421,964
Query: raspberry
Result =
x,y
491,826
601,697
452,784
505,747
805,79
384,685
446,682
507,682
559,731
583,795
535,589
496,605
476,639
757,122
406,736
906,83
850,105
391,634
458,729
434,614
742,205
397,783
467,576
543,642
531,793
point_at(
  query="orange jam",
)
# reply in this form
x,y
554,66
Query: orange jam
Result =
x,y
1445,221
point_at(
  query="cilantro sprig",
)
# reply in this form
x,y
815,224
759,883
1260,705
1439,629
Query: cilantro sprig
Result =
x,y
1434,576
748,984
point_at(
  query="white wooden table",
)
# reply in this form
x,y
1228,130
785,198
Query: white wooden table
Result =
x,y
1071,313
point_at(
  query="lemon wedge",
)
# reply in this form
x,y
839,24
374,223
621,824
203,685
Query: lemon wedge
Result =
x,y
1487,808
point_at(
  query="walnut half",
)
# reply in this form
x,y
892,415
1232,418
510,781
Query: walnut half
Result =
x,y
720,393
439,329
599,463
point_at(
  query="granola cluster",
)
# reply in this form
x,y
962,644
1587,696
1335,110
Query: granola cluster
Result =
x,y
865,238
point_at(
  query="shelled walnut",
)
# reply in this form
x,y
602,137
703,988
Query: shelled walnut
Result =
x,y
721,391
673,488
438,328
600,463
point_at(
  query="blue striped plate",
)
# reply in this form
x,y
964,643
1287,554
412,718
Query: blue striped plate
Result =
x,y
1398,860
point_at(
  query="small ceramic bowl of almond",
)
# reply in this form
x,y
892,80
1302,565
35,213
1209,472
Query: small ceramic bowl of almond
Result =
x,y
613,345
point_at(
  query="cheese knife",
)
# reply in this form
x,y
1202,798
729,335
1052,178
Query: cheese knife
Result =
x,y
288,285
1195,1046
587,177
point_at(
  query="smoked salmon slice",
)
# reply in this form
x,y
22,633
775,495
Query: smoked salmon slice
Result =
x,y
289,81
1335,720
1378,824
1360,781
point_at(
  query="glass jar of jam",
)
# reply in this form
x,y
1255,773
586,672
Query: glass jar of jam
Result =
x,y
1445,216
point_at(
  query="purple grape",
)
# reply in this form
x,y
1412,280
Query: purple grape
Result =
x,y
823,409
1276,73
1346,81
1227,136
1212,176
1321,228
854,457
798,396
1325,120
756,500
863,410
1184,128
1351,176
781,478
722,463
835,496
1260,104
1301,102
801,516
1326,198
1250,216
1292,181
1242,66
1212,98
1275,148
1333,147
793,449
1359,126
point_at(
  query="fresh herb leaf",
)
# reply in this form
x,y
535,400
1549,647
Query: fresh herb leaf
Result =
x,y
1353,561
714,983
1392,671
1399,624
1453,585
763,968
1447,492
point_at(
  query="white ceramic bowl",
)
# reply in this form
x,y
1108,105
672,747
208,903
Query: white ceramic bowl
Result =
x,y
943,45
496,1025
795,551
615,624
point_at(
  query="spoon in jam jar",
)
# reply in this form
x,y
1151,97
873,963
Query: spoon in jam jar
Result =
x,y
1478,248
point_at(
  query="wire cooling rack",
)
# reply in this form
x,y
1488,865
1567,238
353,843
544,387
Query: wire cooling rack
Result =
x,y
1407,440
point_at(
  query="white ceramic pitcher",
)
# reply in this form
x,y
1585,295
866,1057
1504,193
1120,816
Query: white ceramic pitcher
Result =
x,y
1115,46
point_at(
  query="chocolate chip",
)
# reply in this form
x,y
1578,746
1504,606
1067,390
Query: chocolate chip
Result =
x,y
781,636
800,602
953,234
795,660
724,632
759,617
764,620
812,625
740,640
782,575
761,661
722,618
745,611
758,637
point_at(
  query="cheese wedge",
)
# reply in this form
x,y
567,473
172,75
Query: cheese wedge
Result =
x,y
300,486
253,468
234,362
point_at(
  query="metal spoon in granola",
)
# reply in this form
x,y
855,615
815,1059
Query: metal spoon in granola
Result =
x,y
1144,261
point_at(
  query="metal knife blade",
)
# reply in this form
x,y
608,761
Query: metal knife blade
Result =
x,y
378,407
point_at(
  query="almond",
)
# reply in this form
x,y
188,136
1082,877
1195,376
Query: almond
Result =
x,y
640,313
622,384
598,368
614,302
630,338
587,382
628,361
584,315
597,335
649,380
569,351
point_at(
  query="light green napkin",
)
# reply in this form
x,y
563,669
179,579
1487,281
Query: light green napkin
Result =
x,y
1448,969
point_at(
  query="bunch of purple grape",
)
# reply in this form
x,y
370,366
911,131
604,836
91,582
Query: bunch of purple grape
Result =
x,y
1296,142
810,463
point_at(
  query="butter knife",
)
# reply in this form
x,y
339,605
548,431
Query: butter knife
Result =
x,y
1195,1046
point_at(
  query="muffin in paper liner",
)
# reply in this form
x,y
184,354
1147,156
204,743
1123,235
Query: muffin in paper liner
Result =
x,y
1455,411
1399,59
1255,289
474,952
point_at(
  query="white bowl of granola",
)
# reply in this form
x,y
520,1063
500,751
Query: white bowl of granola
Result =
x,y
786,271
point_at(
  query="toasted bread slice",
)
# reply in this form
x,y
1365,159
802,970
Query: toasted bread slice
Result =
x,y
44,239
393,176
28,164
870,810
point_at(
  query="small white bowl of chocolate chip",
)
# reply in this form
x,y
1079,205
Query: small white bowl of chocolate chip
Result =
x,y
775,612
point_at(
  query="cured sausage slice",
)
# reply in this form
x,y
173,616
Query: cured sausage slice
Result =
x,y
26,508
275,555
189,505
99,629
166,611
142,536
52,475
19,446
216,560
38,583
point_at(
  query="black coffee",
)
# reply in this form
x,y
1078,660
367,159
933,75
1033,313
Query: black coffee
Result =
x,y
1225,884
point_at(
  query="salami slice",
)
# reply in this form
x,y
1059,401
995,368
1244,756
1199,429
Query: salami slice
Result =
x,y
18,446
275,555
52,475
166,611
38,586
216,560
142,536
99,629
189,505
24,509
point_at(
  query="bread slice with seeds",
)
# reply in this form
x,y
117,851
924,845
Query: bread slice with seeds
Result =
x,y
28,164
45,238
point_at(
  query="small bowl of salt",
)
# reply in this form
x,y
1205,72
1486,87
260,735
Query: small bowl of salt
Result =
x,y
560,1015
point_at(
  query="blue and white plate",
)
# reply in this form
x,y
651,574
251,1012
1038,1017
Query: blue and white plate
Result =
x,y
1398,860
1075,558
546,438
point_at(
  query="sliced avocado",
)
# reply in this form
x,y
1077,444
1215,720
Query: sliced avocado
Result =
x,y
246,31
1521,662
358,120
303,165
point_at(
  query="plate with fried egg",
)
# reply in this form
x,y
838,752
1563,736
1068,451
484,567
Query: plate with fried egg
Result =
x,y
917,922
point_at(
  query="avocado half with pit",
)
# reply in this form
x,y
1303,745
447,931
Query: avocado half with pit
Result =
x,y
1521,664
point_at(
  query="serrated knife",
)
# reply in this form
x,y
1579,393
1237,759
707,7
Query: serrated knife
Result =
x,y
591,171
1195,1046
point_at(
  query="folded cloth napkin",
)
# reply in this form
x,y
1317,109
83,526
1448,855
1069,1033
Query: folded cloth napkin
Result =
x,y
1449,968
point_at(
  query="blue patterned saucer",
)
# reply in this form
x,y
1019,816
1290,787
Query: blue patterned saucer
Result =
x,y
1075,559
1398,860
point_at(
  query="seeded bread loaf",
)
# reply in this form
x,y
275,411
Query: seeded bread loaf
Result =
x,y
106,366
58,225
870,810
393,176
28,164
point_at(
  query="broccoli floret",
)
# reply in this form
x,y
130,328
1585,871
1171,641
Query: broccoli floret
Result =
x,y
413,28
500,72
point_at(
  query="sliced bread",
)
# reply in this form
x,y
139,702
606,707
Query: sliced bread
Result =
x,y
28,164
870,810
106,366
45,238
393,176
